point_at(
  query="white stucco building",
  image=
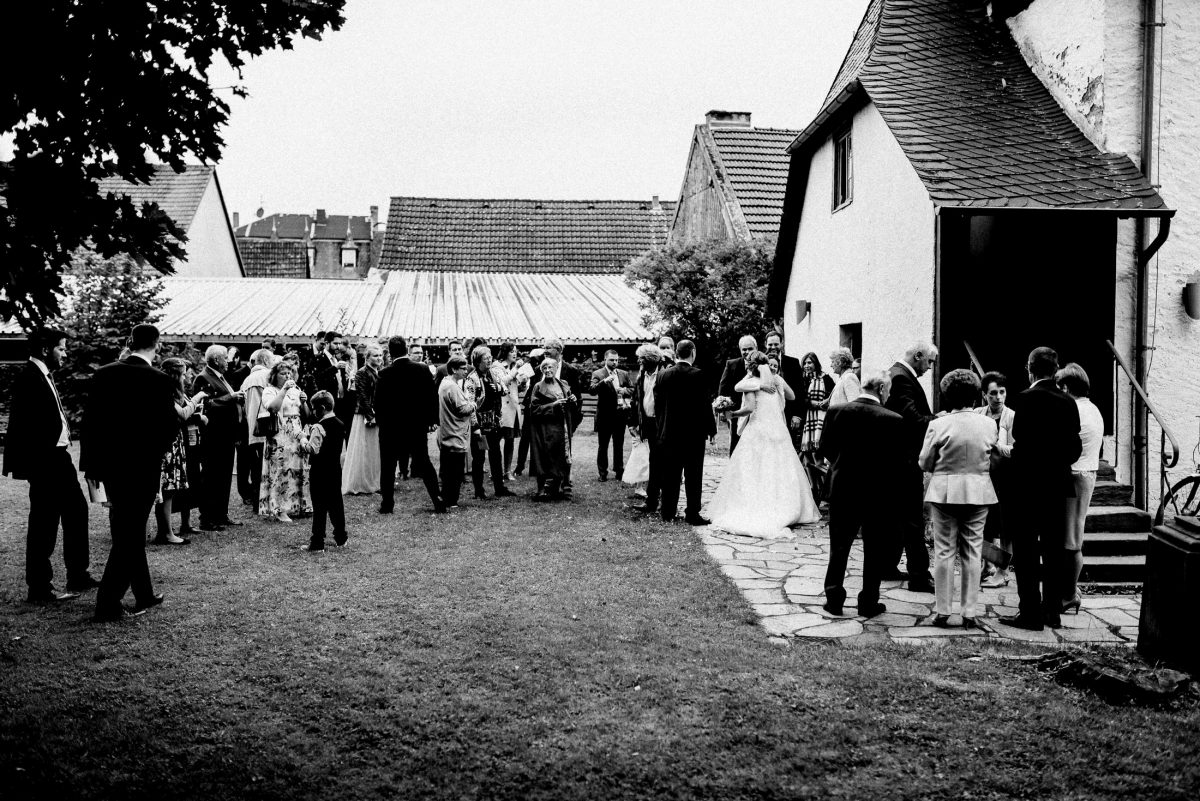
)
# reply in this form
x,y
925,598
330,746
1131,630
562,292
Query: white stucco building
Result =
x,y
974,179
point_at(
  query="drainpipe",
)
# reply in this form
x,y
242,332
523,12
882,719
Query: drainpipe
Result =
x,y
1141,450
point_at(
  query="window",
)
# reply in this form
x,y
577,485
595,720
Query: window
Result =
x,y
850,336
349,258
843,170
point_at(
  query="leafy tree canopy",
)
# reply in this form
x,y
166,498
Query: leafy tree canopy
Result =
x,y
712,293
96,88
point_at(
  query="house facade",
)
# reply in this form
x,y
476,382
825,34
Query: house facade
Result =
x,y
334,245
193,199
974,180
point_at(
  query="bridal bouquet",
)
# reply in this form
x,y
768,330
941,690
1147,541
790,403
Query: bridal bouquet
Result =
x,y
722,405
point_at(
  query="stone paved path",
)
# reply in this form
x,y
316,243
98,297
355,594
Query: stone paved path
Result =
x,y
784,581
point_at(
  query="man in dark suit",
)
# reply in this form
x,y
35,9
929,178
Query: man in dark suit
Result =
x,y
864,443
793,374
735,370
907,399
610,385
685,421
35,450
226,424
1046,443
573,378
406,410
236,372
128,424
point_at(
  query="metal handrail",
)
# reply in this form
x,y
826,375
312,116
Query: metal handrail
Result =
x,y
974,359
1165,433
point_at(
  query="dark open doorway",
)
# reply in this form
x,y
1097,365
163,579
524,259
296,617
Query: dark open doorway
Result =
x,y
1013,281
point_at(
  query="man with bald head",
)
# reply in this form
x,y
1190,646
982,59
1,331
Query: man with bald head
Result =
x,y
735,370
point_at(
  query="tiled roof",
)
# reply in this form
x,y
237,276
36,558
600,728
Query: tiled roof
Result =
x,y
977,125
524,236
274,258
295,226
176,193
755,163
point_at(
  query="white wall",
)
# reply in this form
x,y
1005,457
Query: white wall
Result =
x,y
1174,379
871,262
211,250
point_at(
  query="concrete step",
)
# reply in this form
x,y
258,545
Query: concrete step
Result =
x,y
1106,472
1115,543
1117,518
1120,569
1112,493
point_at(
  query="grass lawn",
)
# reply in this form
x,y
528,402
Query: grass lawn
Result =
x,y
519,650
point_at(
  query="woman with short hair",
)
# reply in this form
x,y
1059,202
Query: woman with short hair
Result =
x,y
957,451
284,491
550,432
1073,380
848,386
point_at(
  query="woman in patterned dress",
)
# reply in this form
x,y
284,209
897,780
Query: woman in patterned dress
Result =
x,y
174,463
284,489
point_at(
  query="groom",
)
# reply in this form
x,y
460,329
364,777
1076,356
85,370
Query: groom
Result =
x,y
685,421
863,441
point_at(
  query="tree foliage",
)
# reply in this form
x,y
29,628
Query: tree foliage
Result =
x,y
98,88
106,298
711,293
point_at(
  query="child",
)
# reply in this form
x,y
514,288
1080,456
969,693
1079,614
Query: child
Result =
x,y
325,470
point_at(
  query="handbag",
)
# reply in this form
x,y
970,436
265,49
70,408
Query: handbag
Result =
x,y
637,469
266,426
996,555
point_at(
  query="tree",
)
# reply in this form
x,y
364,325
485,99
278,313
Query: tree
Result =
x,y
97,88
106,298
712,293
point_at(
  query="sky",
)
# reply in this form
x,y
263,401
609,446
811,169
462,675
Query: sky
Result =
x,y
516,98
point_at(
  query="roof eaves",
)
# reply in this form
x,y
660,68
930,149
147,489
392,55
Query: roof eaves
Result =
x,y
828,113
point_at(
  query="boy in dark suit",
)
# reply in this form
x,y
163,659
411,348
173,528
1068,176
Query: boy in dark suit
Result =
x,y
36,451
325,470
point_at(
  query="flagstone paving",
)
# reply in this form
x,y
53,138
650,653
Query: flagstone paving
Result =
x,y
784,581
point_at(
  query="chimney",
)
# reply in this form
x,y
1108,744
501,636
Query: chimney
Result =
x,y
727,119
654,204
374,218
321,218
235,221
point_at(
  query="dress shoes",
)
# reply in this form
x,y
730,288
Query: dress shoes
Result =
x,y
155,600
644,508
832,608
922,585
872,610
82,583
942,621
386,509
51,596
480,495
696,520
1023,622
187,530
604,476
971,623
205,526
504,492
895,574
311,548
227,523
121,613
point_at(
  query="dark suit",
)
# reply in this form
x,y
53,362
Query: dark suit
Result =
x,y
685,421
225,427
793,374
573,378
249,459
128,424
406,405
610,422
733,372
1045,445
908,400
647,426
862,442
32,453
333,379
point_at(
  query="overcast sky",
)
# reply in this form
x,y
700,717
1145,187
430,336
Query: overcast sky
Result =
x,y
517,98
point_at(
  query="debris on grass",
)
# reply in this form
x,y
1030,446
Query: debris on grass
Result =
x,y
1116,676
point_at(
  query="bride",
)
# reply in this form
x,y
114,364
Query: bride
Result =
x,y
765,490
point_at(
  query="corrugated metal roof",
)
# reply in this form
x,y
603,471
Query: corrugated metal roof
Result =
x,y
426,305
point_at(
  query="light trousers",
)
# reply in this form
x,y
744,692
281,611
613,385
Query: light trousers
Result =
x,y
957,530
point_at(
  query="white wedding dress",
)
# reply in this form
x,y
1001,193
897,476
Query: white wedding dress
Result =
x,y
765,490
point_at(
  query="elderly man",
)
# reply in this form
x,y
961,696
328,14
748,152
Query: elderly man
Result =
x,y
649,358
225,419
863,442
573,378
735,370
908,400
526,374
261,362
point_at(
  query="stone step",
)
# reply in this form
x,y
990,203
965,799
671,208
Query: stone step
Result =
x,y
1106,472
1117,518
1115,543
1112,493
1122,569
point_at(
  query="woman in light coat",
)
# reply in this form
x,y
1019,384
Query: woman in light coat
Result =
x,y
957,451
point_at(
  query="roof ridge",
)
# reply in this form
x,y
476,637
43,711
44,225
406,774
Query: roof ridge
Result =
x,y
871,19
521,200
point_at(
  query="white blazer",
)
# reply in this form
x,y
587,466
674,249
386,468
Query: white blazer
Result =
x,y
956,451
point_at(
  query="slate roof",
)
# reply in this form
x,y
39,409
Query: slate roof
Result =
x,y
977,125
176,193
295,226
273,258
526,236
755,166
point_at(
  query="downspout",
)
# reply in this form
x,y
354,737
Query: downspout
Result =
x,y
1141,451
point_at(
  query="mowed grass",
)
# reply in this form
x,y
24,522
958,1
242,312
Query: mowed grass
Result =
x,y
519,650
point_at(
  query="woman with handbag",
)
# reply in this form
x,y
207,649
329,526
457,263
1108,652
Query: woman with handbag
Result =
x,y
174,465
284,490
